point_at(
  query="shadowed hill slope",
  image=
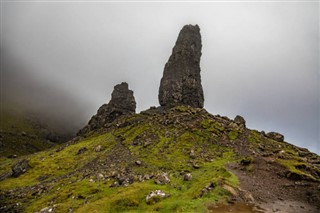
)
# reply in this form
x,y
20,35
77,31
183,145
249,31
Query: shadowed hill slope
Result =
x,y
22,133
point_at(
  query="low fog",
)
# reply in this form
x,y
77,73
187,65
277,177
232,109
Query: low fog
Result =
x,y
46,102
259,59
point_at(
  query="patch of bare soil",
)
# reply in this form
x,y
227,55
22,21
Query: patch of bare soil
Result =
x,y
273,192
236,207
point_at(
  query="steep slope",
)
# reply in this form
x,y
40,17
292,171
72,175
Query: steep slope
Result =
x,y
196,159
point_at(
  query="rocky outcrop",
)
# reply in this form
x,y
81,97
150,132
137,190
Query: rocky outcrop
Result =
x,y
181,81
122,102
275,136
240,121
156,196
20,168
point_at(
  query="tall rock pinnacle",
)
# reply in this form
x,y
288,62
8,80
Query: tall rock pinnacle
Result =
x,y
122,102
181,81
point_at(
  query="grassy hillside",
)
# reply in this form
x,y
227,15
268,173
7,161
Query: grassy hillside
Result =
x,y
19,134
185,152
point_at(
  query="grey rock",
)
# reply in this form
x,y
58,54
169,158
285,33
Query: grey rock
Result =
x,y
12,156
49,209
98,148
181,81
162,179
240,120
192,154
82,150
20,168
195,165
122,103
187,177
156,196
275,136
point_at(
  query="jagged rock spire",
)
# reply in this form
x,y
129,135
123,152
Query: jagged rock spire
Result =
x,y
181,81
122,102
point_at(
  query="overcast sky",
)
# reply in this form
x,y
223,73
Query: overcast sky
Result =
x,y
259,59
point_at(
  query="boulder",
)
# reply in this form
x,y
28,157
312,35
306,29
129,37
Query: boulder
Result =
x,y
187,177
82,150
162,179
20,168
275,136
181,81
155,196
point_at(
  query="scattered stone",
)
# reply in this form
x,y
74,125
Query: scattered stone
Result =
x,y
246,161
275,136
162,179
98,148
122,102
12,156
304,153
42,177
5,175
192,154
207,189
187,177
195,165
23,134
79,196
60,149
246,196
138,162
20,168
114,184
124,180
49,209
181,81
233,126
82,150
231,190
100,176
156,196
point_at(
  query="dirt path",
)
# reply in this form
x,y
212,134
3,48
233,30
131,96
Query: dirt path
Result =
x,y
275,193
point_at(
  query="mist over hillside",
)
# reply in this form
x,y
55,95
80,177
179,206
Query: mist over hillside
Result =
x,y
51,105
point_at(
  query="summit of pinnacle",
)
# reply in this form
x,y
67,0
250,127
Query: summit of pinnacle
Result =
x,y
181,81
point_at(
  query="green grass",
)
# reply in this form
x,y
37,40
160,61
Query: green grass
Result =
x,y
212,126
294,172
160,148
233,134
54,164
184,195
254,137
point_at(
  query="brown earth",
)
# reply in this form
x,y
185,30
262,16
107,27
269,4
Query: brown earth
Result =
x,y
272,192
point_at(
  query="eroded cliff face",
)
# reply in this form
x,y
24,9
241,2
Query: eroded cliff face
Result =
x,y
122,102
181,81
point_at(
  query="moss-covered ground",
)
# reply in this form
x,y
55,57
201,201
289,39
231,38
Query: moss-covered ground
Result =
x,y
115,170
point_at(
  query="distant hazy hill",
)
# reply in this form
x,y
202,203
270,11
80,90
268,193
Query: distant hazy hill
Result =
x,y
22,133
